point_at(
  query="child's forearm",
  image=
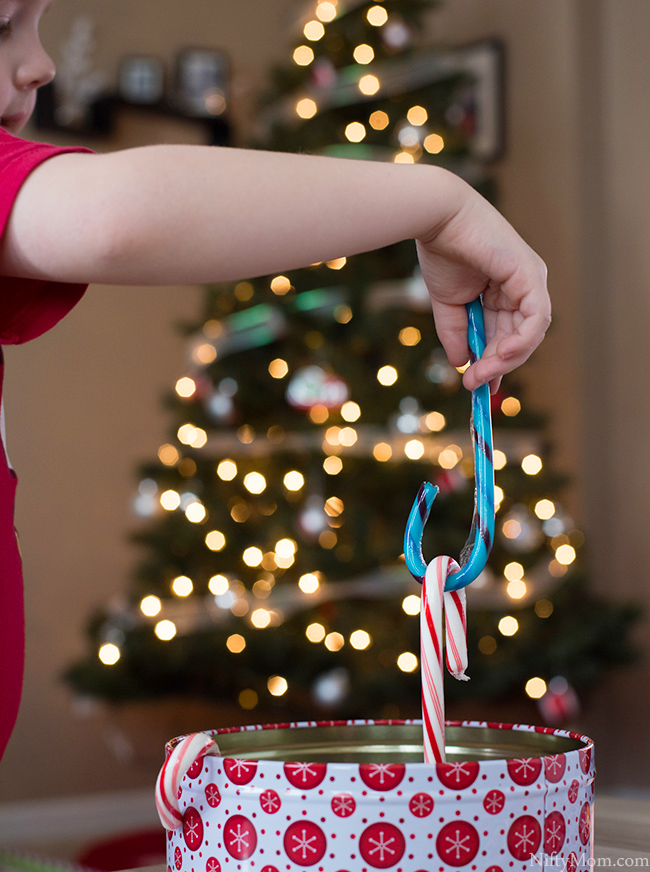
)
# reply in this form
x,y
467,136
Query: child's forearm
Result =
x,y
177,214
188,214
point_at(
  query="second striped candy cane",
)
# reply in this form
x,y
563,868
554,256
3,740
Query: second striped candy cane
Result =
x,y
431,645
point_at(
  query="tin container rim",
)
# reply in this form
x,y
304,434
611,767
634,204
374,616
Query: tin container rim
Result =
x,y
344,741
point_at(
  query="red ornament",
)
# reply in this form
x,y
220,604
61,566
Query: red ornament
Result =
x,y
560,703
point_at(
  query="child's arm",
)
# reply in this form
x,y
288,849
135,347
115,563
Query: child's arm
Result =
x,y
187,214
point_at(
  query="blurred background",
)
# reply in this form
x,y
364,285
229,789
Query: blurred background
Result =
x,y
84,403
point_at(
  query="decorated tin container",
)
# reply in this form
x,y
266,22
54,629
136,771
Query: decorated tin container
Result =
x,y
355,796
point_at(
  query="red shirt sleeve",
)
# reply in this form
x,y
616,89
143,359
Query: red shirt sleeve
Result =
x,y
28,307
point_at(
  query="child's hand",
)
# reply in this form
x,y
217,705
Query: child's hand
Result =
x,y
476,251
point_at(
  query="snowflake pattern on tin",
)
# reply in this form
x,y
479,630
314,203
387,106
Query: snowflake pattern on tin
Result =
x,y
382,845
473,816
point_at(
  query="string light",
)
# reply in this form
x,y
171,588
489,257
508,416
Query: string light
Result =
x,y
516,589
314,30
308,583
407,662
499,459
182,586
204,354
435,421
215,540
360,640
377,16
254,482
218,585
150,606
411,604
165,630
319,413
303,55
285,548
337,263
261,618
109,654
545,509
511,528
565,555
278,368
326,11
417,115
343,314
410,336
244,291
248,699
382,452
294,480
450,456
334,641
328,539
350,411
403,157
369,85
188,434
306,108
263,586
499,495
387,375
510,407
543,608
252,556
227,470
240,512
348,436
315,632
414,449
513,571
536,687
487,645
508,625
334,507
196,513
280,285
433,143
235,643
246,434
531,464
277,685
355,131
185,387
379,120
363,54
332,465
168,455
170,500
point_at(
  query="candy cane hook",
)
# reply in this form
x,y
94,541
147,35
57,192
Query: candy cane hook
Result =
x,y
477,548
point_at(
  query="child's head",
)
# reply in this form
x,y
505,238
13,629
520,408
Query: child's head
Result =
x,y
24,64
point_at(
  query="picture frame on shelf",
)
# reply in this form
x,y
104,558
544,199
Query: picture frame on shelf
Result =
x,y
141,80
202,82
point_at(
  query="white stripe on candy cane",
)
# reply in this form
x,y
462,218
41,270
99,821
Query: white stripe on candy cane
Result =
x,y
174,769
433,700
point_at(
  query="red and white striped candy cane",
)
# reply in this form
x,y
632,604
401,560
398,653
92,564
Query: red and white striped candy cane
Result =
x,y
456,631
190,749
431,644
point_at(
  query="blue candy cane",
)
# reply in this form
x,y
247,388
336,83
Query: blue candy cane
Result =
x,y
477,548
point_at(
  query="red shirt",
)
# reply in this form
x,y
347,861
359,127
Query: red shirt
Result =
x,y
27,309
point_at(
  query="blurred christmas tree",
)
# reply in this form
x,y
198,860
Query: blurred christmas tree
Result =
x,y
314,405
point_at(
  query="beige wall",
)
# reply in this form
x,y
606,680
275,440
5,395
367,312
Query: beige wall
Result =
x,y
83,402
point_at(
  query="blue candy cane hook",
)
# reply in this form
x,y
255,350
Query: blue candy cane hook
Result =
x,y
477,548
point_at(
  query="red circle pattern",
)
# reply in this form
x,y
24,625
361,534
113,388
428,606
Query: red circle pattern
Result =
x,y
488,816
